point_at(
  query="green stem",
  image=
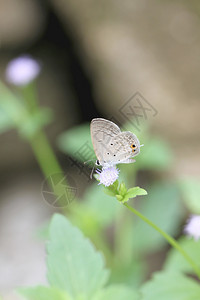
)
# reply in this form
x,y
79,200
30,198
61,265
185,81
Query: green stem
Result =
x,y
50,167
171,240
29,93
120,239
43,151
39,142
44,154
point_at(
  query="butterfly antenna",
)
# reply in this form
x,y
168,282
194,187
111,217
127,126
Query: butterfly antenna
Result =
x,y
85,162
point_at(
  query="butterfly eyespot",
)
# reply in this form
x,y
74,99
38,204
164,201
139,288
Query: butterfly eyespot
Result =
x,y
108,153
111,144
114,155
133,146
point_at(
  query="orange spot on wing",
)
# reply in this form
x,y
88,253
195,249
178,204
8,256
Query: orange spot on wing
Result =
x,y
133,147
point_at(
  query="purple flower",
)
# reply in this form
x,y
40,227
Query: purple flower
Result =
x,y
22,70
108,175
192,228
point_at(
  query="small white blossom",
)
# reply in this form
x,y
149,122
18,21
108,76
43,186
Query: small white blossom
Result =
x,y
108,175
22,70
192,228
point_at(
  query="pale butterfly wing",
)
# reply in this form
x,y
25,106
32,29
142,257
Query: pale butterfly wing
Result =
x,y
121,149
102,131
112,146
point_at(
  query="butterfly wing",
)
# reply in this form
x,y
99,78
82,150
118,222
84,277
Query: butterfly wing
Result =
x,y
102,131
121,149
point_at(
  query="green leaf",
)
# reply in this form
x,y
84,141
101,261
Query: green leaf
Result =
x,y
170,286
191,193
119,197
73,263
93,214
131,193
117,292
43,293
125,199
77,143
164,208
109,192
176,262
122,189
135,191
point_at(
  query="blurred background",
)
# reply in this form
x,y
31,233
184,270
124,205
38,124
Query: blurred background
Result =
x,y
95,56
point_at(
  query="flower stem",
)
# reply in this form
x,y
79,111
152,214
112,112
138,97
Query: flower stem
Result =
x,y
29,93
39,142
44,154
170,240
43,151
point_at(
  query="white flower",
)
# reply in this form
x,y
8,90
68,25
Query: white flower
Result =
x,y
192,228
108,175
22,70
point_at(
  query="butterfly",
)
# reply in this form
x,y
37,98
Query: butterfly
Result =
x,y
111,145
